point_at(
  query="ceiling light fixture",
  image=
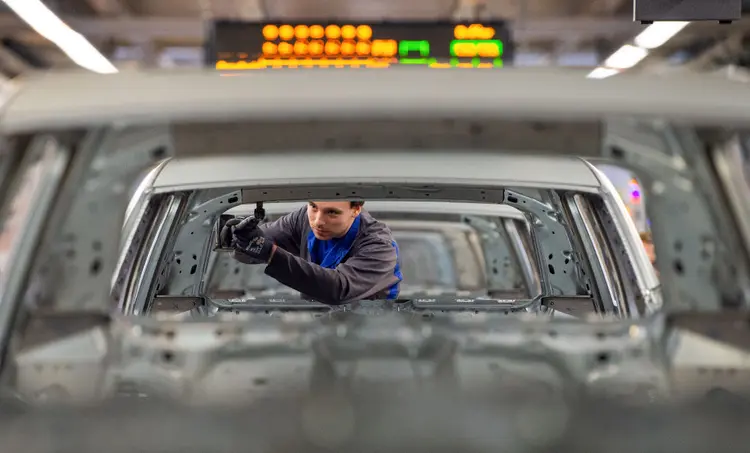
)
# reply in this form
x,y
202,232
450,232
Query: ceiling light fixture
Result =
x,y
657,34
75,45
629,55
602,73
626,57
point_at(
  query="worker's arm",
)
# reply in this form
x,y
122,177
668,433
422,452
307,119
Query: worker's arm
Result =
x,y
368,272
286,231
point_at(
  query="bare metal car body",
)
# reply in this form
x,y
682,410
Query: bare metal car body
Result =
x,y
679,136
444,247
570,258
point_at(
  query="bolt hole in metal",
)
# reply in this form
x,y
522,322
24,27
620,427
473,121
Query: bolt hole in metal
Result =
x,y
159,153
95,267
260,381
617,152
167,356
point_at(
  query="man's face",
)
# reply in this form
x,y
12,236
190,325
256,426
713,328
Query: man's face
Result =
x,y
331,219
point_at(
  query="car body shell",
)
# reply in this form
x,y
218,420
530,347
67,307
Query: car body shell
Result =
x,y
87,122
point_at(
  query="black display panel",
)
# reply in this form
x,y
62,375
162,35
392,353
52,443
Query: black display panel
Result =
x,y
234,45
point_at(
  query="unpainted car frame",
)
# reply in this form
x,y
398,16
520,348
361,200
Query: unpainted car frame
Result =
x,y
486,246
562,271
701,243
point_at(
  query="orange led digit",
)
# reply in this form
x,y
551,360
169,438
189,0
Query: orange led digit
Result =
x,y
348,32
488,49
461,32
363,49
332,48
300,49
301,32
384,48
315,48
270,48
473,32
285,49
333,32
364,32
270,32
317,31
465,49
286,32
347,48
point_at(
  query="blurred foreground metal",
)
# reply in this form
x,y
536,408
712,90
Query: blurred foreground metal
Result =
x,y
385,421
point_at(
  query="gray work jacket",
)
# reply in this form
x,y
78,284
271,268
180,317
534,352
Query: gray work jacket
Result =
x,y
366,272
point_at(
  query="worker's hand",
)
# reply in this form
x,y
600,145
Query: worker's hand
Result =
x,y
225,235
250,245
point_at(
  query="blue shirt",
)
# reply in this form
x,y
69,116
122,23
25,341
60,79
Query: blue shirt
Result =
x,y
331,252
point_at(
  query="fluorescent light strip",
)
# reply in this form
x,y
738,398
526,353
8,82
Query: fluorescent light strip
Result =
x,y
75,46
627,56
655,35
602,73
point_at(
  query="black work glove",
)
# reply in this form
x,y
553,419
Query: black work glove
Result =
x,y
250,245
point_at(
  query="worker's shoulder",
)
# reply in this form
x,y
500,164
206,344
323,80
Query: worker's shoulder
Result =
x,y
374,231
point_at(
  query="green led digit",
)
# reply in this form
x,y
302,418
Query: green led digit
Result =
x,y
423,47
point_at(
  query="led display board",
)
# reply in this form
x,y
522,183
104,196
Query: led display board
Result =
x,y
234,45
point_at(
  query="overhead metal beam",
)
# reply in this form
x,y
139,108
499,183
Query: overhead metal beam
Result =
x,y
606,6
575,29
245,9
126,28
133,29
359,11
109,7
467,9
12,63
25,53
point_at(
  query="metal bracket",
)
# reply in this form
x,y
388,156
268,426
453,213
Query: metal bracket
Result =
x,y
500,260
699,259
558,264
176,303
193,245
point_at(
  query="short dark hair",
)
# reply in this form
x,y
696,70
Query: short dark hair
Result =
x,y
356,204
